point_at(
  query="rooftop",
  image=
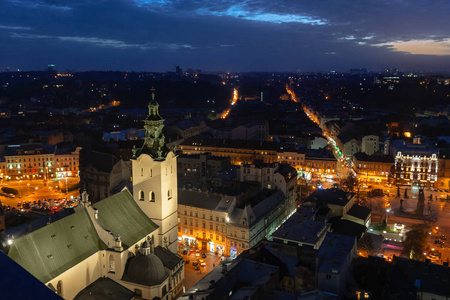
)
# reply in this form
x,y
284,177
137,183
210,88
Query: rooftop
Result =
x,y
198,199
334,252
297,229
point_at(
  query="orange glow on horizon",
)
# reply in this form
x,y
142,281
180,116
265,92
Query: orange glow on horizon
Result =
x,y
424,47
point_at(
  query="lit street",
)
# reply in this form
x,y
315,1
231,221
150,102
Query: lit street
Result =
x,y
35,190
191,276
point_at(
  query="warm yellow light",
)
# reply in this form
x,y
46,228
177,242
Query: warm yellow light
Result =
x,y
407,134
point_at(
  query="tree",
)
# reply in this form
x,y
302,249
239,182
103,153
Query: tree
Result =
x,y
365,245
416,241
349,183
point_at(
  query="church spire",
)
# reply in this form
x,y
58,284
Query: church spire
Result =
x,y
154,143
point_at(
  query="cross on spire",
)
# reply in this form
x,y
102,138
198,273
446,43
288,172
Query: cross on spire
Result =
x,y
153,93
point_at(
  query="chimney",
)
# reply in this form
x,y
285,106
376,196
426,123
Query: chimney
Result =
x,y
118,244
224,268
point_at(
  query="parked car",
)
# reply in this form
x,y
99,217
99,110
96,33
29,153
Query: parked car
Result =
x,y
202,263
203,255
184,252
443,237
195,263
197,253
197,268
186,261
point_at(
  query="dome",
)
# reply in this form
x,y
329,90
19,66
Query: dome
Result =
x,y
145,269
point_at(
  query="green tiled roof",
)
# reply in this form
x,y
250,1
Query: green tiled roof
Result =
x,y
121,215
55,248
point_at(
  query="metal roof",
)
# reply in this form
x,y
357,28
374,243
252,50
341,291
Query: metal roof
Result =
x,y
55,248
121,215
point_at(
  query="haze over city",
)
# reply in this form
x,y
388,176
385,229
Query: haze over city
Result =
x,y
144,35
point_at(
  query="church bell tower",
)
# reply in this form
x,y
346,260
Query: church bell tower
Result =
x,y
154,169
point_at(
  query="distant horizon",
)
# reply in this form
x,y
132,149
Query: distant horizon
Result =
x,y
4,70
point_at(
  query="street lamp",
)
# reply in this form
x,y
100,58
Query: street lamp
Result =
x,y
387,213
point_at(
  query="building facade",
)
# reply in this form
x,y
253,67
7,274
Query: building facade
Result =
x,y
40,162
416,169
372,169
213,223
239,151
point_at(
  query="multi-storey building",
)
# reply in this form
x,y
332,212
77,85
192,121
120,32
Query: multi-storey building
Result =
x,y
273,176
371,169
416,163
239,151
444,169
40,162
251,224
203,220
311,163
370,144
200,169
103,174
214,223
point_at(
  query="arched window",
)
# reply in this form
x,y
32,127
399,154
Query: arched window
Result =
x,y
169,194
112,264
152,197
59,287
141,195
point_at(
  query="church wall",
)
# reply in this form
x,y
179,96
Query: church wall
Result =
x,y
79,276
158,177
147,177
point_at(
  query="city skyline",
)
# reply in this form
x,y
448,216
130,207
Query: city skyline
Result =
x,y
234,36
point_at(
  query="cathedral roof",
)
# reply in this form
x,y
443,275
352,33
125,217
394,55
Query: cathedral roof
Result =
x,y
168,258
121,215
55,248
105,288
145,269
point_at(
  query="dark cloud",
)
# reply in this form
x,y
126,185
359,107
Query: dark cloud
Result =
x,y
225,35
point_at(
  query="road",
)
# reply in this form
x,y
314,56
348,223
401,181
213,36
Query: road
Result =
x,y
191,276
439,210
35,190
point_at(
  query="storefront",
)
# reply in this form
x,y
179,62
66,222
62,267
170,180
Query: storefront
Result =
x,y
233,253
189,241
220,249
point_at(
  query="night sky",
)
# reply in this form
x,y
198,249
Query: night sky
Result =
x,y
227,35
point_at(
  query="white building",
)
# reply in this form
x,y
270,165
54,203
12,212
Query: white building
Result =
x,y
127,240
370,144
